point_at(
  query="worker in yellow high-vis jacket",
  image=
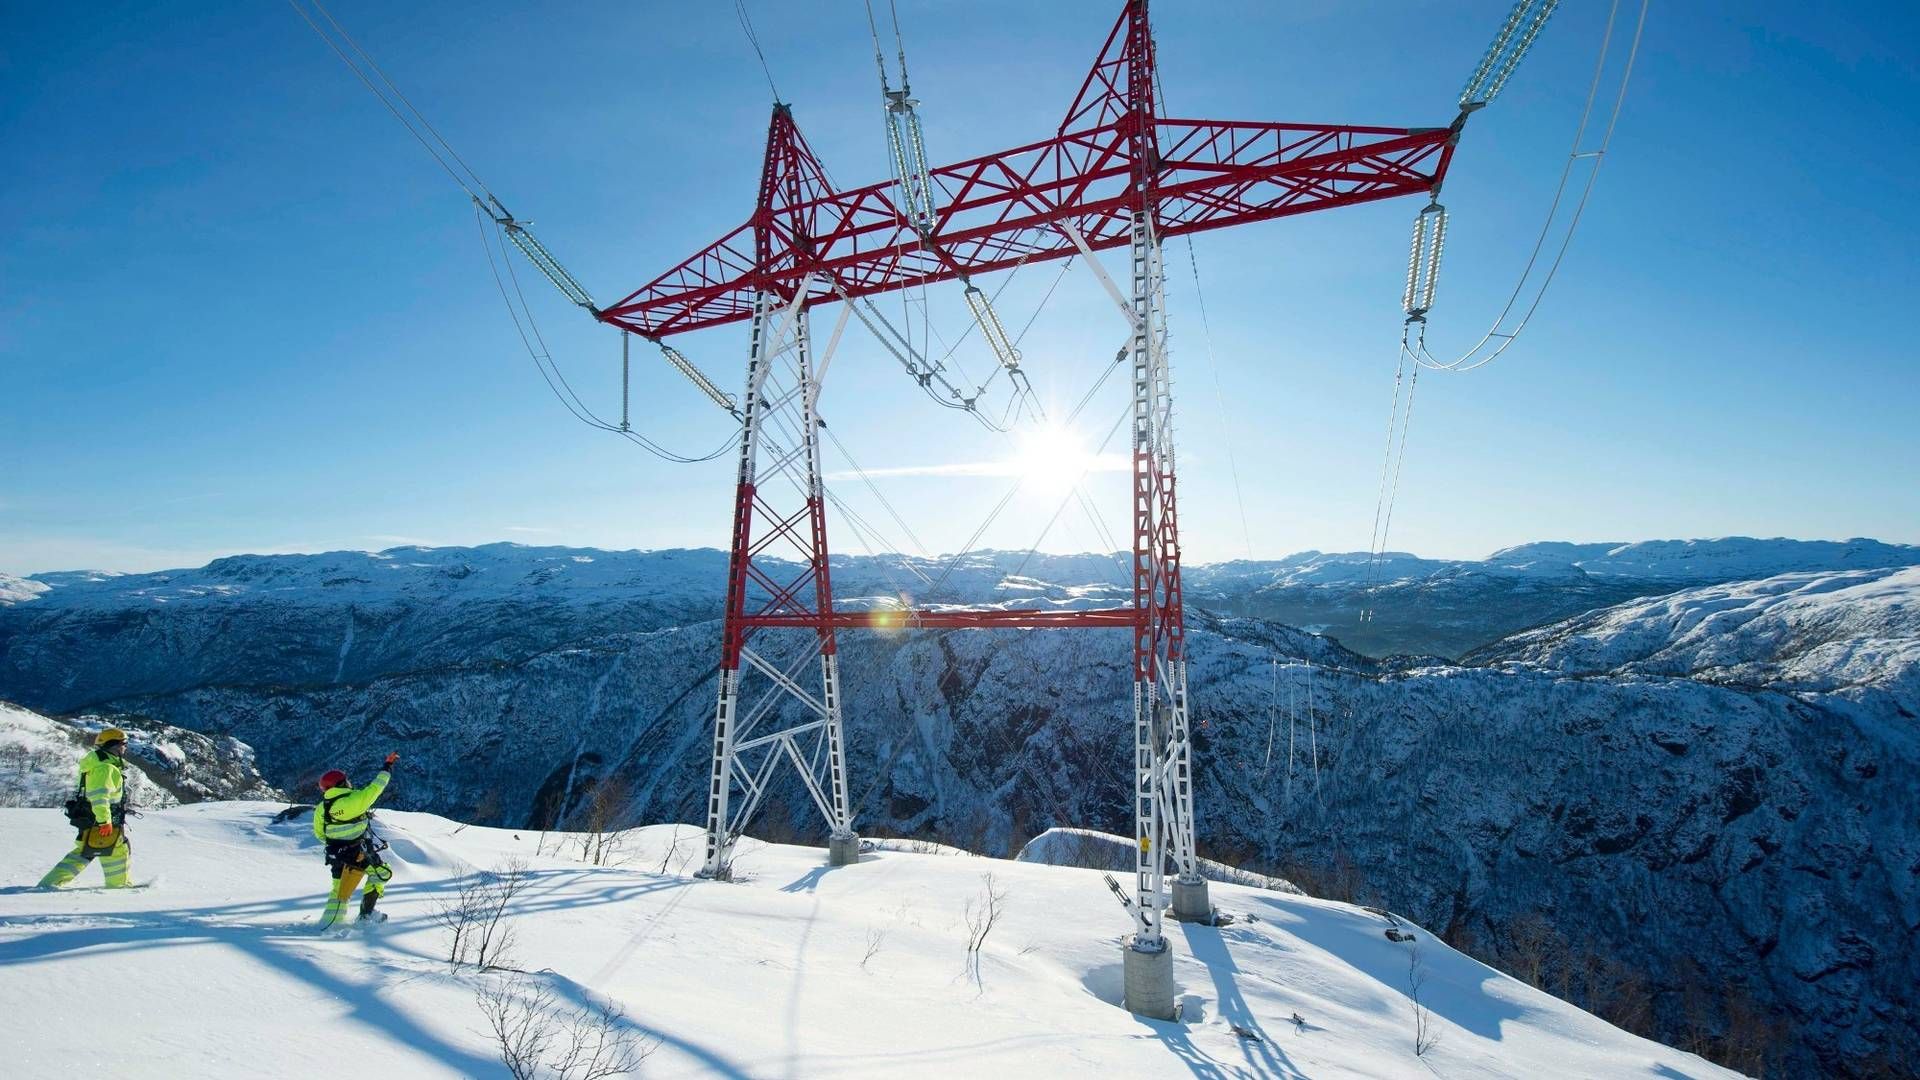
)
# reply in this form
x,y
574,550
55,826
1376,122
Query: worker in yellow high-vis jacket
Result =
x,y
342,821
103,787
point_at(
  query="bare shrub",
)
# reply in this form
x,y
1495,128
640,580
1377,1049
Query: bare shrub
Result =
x,y
982,912
1533,950
603,835
1340,879
474,917
537,1037
16,764
672,850
517,1019
456,914
874,940
1425,1033
1611,990
1754,1039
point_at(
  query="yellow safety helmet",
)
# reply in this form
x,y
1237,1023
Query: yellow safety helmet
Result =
x,y
109,735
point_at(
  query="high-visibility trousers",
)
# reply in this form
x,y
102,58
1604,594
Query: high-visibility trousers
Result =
x,y
115,855
350,865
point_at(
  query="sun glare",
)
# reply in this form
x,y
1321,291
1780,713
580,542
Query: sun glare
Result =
x,y
1051,459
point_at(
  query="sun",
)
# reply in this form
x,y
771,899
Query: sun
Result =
x,y
1051,459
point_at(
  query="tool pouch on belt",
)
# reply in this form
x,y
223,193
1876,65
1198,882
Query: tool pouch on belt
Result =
x,y
79,812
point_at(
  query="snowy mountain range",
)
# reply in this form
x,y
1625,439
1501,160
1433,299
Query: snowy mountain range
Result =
x,y
1378,605
1713,788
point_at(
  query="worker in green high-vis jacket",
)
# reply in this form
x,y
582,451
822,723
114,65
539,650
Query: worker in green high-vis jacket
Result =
x,y
103,787
343,821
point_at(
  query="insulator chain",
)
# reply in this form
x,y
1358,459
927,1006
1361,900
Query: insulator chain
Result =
x,y
698,378
539,256
1423,261
910,162
991,328
1509,47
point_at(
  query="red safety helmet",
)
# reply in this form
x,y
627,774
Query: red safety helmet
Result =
x,y
333,778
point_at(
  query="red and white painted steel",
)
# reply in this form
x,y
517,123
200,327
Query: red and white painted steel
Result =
x,y
1114,174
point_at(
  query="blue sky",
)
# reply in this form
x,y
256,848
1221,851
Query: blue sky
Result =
x,y
241,311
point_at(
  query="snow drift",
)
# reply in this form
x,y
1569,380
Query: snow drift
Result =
x,y
798,970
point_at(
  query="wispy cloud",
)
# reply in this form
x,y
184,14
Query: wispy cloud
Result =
x,y
42,553
401,541
1104,463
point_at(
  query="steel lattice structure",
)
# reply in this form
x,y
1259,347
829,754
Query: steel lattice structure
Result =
x,y
1115,174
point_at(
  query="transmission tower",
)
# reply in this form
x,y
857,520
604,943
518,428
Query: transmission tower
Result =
x,y
1114,174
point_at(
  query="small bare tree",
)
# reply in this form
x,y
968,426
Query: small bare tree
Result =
x,y
1533,950
517,1019
874,940
16,765
536,1037
456,913
982,912
1425,1034
603,836
595,1043
474,917
672,850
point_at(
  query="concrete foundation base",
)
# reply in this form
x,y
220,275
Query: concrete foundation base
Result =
x,y
1190,901
1148,980
843,850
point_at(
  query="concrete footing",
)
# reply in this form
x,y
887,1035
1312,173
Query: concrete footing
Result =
x,y
1190,901
843,850
1148,979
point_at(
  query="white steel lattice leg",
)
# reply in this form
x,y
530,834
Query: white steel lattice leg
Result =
x,y
719,783
1149,868
843,844
782,599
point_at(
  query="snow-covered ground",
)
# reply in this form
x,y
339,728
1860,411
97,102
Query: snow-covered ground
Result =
x,y
1097,850
214,969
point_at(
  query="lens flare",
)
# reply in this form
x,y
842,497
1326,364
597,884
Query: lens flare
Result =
x,y
1051,459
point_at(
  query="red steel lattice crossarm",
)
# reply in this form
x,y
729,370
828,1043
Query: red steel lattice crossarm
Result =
x,y
999,210
951,619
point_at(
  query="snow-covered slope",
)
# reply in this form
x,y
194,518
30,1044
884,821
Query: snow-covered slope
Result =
x,y
1824,632
1448,607
1096,850
800,970
169,765
1727,558
14,590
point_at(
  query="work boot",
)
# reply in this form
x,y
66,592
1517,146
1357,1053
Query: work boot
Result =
x,y
367,900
